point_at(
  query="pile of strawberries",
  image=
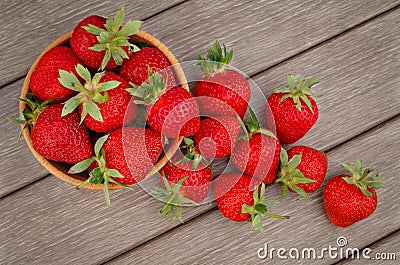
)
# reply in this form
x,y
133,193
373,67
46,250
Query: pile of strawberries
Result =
x,y
90,99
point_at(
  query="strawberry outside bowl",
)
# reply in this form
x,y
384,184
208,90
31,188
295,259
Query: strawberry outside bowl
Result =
x,y
60,169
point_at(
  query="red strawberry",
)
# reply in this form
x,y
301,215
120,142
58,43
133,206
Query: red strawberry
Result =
x,y
133,151
54,137
103,97
172,112
104,43
351,198
257,154
44,79
302,170
117,110
217,136
197,182
123,157
221,91
294,110
239,201
186,179
135,70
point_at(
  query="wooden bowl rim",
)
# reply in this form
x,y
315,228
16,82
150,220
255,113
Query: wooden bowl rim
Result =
x,y
70,179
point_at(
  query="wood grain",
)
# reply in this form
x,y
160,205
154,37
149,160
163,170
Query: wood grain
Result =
x,y
29,28
50,222
17,164
213,239
262,33
266,31
359,80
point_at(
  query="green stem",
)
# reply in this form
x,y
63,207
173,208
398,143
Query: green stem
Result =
x,y
106,193
246,135
276,216
83,184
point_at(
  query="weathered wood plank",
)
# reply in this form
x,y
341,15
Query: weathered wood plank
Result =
x,y
213,239
28,28
17,164
50,223
266,31
359,79
385,251
261,32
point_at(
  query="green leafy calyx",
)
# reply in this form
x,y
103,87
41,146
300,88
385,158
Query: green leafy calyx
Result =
x,y
298,90
30,114
100,174
149,91
113,38
173,198
290,176
192,154
216,59
251,127
361,179
89,93
259,208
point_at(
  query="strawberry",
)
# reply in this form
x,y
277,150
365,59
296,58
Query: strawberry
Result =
x,y
221,91
61,138
103,97
239,201
351,198
135,70
44,79
172,112
217,136
302,170
104,43
257,153
186,179
124,157
197,183
132,151
293,109
54,137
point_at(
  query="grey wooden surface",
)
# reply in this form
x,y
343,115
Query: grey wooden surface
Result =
x,y
351,46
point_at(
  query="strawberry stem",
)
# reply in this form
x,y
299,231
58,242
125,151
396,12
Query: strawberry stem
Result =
x,y
90,93
151,89
259,208
290,176
30,114
101,173
172,198
216,59
114,37
298,90
361,179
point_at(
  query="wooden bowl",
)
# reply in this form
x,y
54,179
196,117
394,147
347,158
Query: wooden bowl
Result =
x,y
60,169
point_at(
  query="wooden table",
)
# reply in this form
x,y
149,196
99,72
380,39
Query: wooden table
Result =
x,y
353,47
